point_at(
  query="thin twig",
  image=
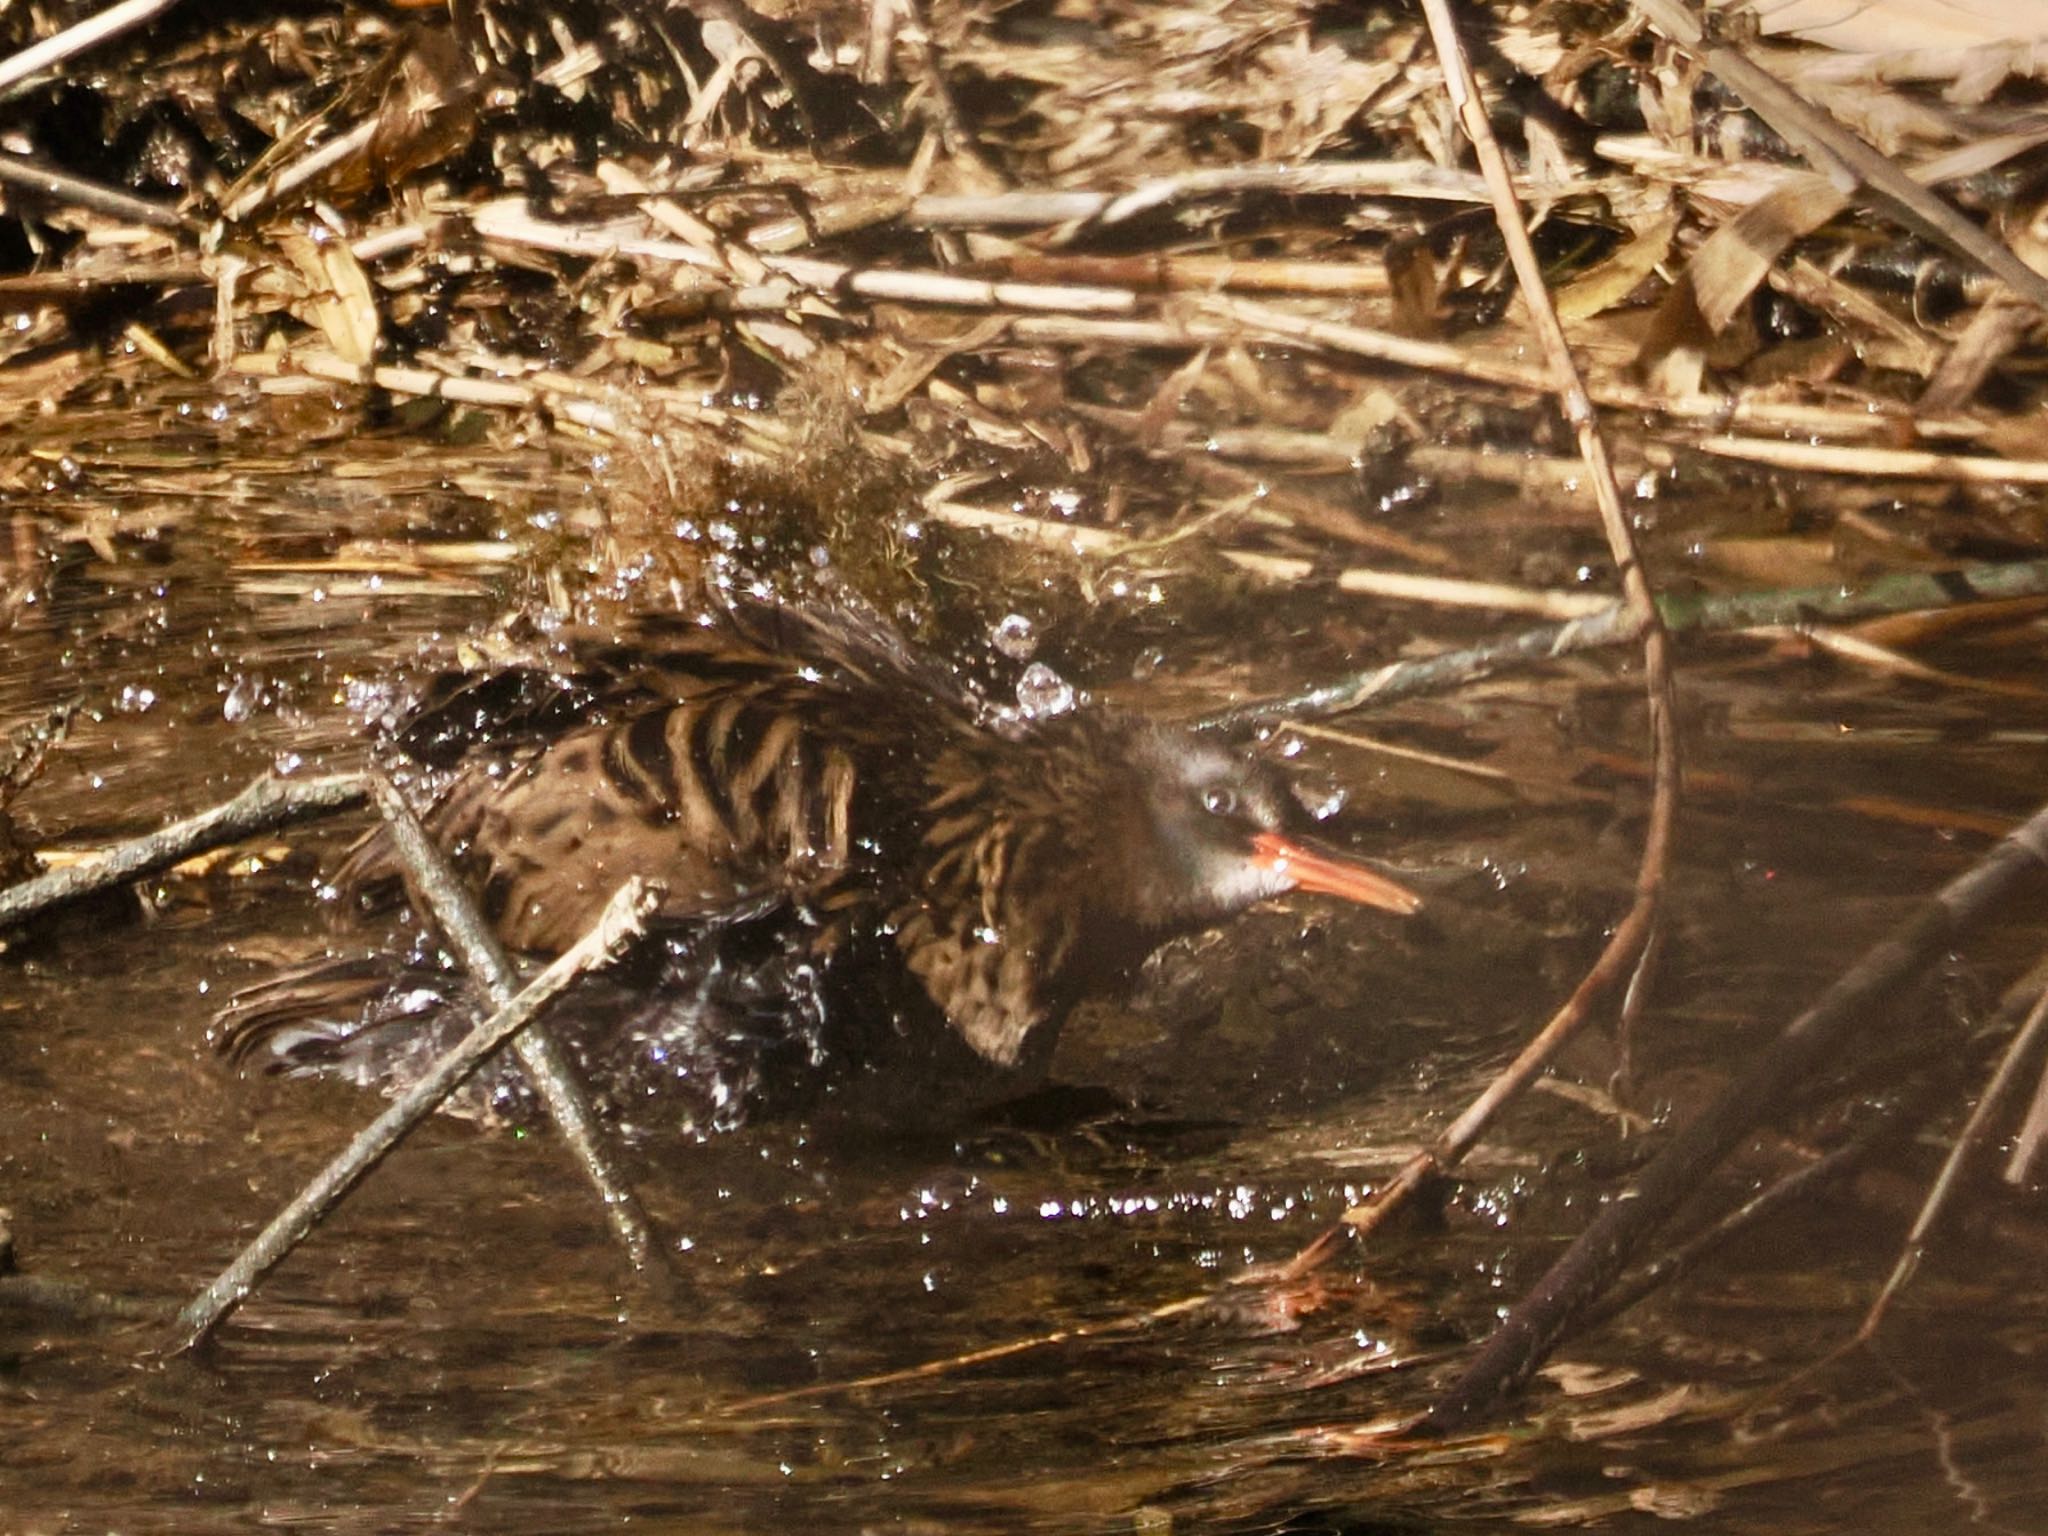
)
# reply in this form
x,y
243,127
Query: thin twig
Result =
x,y
1179,273
925,1370
1223,320
60,285
74,40
1853,1003
264,806
512,221
1967,1141
1894,463
298,172
1419,179
434,881
619,921
2033,1133
1444,591
1634,935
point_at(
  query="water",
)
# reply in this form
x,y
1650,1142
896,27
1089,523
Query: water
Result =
x,y
854,1343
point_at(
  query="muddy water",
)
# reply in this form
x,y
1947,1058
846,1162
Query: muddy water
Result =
x,y
462,1345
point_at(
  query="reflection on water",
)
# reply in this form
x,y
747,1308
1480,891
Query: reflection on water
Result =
x,y
462,1345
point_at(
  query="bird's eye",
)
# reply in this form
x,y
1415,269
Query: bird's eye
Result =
x,y
1219,801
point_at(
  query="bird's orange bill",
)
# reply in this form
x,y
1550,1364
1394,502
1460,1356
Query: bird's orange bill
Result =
x,y
1331,874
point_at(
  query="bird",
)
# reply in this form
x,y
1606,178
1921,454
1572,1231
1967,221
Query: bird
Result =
x,y
869,871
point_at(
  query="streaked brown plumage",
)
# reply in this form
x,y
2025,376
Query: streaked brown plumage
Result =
x,y
818,775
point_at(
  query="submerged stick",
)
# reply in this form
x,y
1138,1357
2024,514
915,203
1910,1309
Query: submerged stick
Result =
x,y
619,921
1853,1003
1890,1125
436,884
1905,592
264,806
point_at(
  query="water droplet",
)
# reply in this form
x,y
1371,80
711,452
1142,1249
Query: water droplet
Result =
x,y
1321,801
1014,637
1042,692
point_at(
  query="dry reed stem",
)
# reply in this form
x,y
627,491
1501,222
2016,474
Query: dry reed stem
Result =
x,y
299,171
1713,410
1442,591
66,190
78,38
1885,463
1052,207
508,221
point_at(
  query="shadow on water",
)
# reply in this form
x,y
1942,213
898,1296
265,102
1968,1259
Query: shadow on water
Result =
x,y
461,1346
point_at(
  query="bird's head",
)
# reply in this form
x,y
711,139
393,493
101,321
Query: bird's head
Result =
x,y
1223,829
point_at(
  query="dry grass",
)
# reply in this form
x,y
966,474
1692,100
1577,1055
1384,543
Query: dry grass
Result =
x,y
1098,267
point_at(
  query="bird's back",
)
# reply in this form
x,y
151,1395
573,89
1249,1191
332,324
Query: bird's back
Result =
x,y
733,773
763,771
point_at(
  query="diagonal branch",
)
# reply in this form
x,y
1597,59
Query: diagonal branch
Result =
x,y
1631,938
617,923
434,882
264,806
1856,1002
